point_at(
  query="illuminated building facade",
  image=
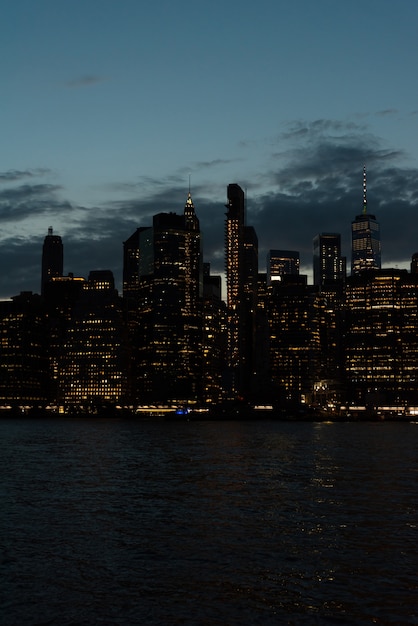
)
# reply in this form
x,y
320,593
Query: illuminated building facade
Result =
x,y
381,351
365,239
92,363
261,377
168,353
294,339
23,352
52,258
60,295
328,265
280,263
241,261
329,375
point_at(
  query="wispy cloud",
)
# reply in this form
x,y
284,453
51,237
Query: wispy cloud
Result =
x,y
387,112
15,175
87,80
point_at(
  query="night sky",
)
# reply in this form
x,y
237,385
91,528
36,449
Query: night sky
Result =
x,y
108,108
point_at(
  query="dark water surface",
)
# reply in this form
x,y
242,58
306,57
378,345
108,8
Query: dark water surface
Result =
x,y
125,522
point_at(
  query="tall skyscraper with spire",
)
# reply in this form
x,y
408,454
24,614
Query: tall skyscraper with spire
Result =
x,y
167,351
52,258
365,238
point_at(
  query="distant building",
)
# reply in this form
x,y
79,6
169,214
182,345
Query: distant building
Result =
x,y
294,339
60,295
328,265
281,263
214,338
365,239
414,263
381,337
92,359
52,258
24,365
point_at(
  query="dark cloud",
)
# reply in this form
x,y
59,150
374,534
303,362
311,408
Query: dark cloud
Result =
x,y
313,184
28,201
319,189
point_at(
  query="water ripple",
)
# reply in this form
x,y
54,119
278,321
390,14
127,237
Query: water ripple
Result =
x,y
122,522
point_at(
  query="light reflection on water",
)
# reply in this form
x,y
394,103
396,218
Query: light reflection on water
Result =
x,y
124,522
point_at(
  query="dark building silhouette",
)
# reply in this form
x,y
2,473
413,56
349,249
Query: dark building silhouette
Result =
x,y
294,340
214,338
365,239
329,383
414,263
52,258
60,296
328,265
24,368
280,263
262,388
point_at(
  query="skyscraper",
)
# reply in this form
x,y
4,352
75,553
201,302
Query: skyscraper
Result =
x,y
52,258
365,237
328,265
92,363
234,254
23,349
168,356
381,337
241,261
294,339
280,263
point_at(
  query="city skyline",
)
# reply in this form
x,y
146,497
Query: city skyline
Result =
x,y
107,114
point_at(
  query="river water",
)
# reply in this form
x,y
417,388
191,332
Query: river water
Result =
x,y
107,521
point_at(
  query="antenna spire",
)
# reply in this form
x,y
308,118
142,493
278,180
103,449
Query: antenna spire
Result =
x,y
364,191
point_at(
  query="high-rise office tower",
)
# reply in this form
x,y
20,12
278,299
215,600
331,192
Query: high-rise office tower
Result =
x,y
365,237
328,265
92,359
294,339
249,319
213,337
241,261
23,349
381,338
280,263
168,355
234,237
234,255
52,258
